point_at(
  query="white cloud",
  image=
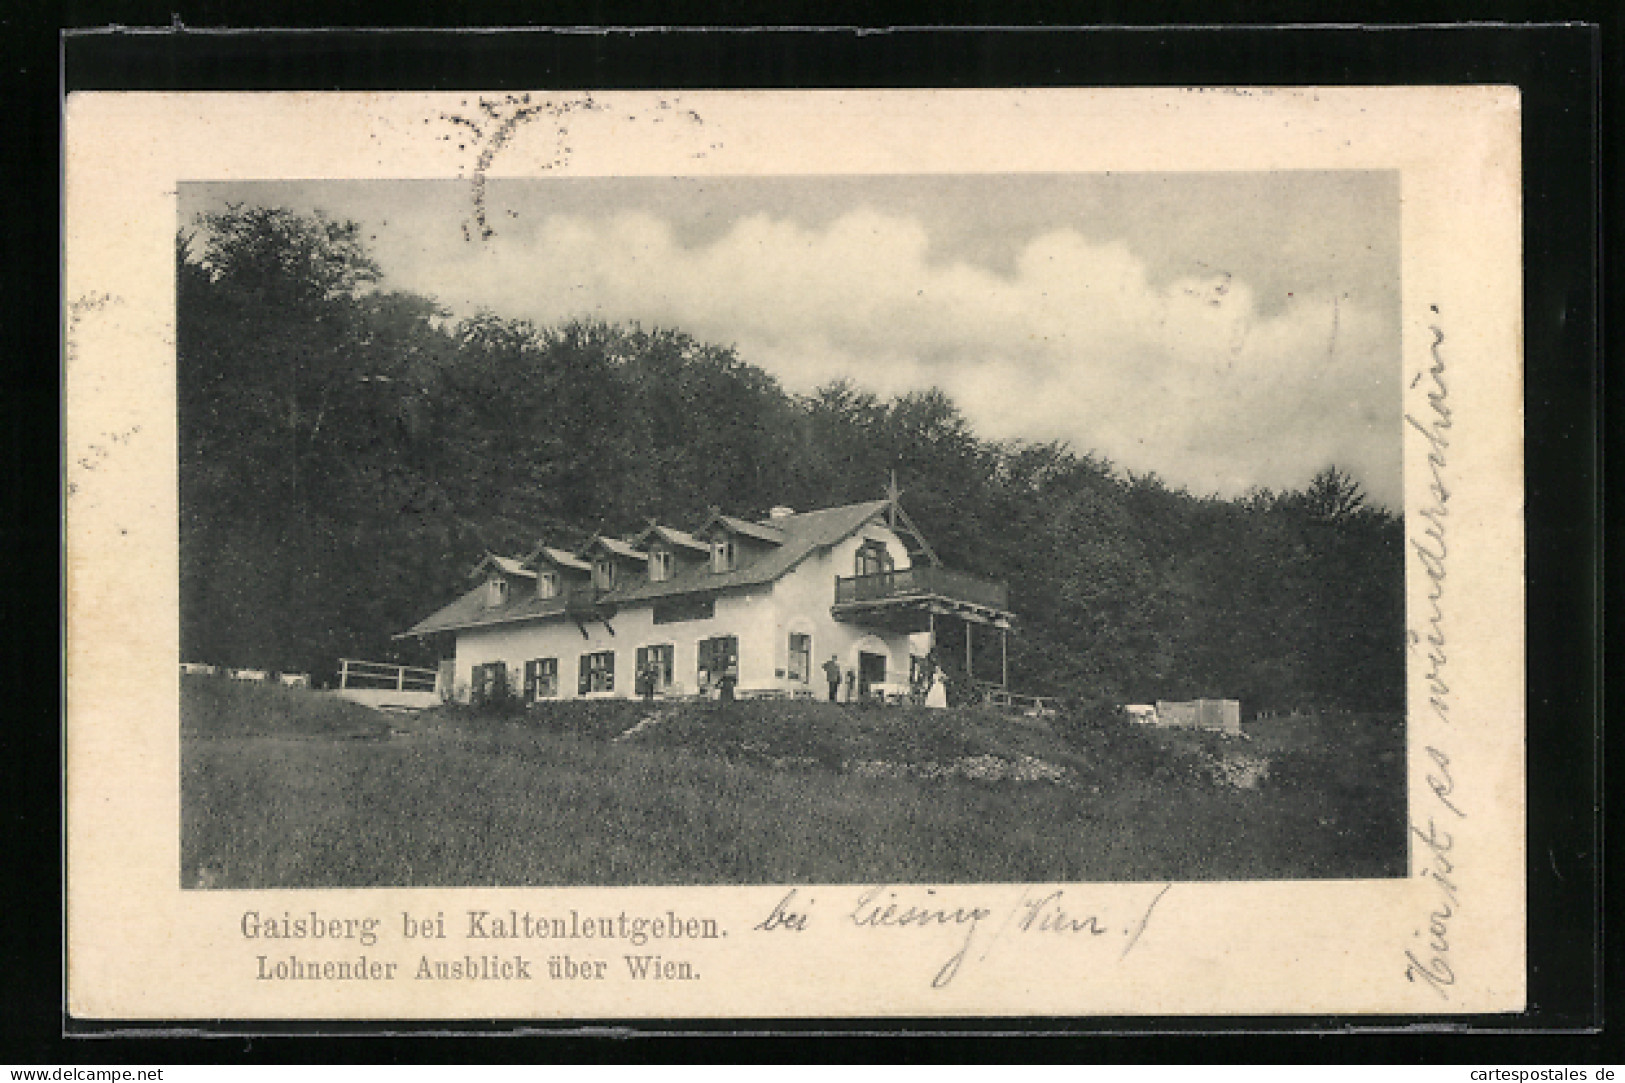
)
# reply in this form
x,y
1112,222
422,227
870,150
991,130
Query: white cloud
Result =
x,y
1188,379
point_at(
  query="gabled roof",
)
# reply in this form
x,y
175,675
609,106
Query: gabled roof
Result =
x,y
559,558
470,611
616,546
761,531
506,565
798,537
672,536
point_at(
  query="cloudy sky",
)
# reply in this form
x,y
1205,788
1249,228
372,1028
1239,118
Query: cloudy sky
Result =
x,y
1223,330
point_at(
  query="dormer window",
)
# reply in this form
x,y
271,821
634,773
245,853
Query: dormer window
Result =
x,y
496,591
660,565
603,574
723,554
547,585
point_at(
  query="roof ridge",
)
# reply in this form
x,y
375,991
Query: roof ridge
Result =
x,y
825,511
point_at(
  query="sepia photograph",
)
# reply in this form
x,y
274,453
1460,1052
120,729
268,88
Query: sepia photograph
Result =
x,y
791,529
592,555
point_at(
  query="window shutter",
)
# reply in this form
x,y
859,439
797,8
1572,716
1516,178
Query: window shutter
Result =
x,y
499,679
609,671
479,684
585,684
530,680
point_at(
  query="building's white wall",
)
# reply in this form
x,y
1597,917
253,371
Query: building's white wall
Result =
x,y
802,601
748,616
798,602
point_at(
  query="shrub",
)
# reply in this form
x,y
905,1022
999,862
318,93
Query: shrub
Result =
x,y
1112,746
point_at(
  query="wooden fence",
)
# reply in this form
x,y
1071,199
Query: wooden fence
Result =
x,y
354,674
995,695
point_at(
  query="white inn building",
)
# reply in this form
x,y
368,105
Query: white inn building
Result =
x,y
766,603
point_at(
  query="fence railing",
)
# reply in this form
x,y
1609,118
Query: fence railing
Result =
x,y
385,675
995,695
924,580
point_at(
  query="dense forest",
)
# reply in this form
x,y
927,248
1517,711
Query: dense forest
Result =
x,y
347,453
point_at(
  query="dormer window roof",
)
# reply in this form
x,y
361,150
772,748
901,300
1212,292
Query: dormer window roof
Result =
x,y
759,531
677,539
559,558
614,547
491,564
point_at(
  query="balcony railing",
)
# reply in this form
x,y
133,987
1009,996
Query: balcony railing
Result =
x,y
923,581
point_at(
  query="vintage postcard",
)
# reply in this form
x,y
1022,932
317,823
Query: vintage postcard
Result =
x,y
634,555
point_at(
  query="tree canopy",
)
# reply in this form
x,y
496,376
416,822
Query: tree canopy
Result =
x,y
347,453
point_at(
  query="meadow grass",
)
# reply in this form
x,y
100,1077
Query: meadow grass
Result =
x,y
221,707
753,793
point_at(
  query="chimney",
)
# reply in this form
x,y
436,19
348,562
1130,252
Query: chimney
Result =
x,y
780,512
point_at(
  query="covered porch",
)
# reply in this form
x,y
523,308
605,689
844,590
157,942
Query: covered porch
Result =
x,y
914,599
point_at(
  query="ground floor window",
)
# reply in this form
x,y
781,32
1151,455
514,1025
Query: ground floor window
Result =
x,y
541,678
800,667
718,656
597,673
655,668
490,682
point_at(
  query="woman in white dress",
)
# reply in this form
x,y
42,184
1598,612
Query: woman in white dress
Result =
x,y
938,694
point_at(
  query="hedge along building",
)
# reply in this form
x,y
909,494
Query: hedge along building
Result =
x,y
765,602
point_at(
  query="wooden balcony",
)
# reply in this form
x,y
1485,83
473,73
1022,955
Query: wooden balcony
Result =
x,y
921,590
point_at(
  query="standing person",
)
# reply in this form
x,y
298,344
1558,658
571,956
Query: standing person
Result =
x,y
851,685
649,677
937,697
725,687
832,673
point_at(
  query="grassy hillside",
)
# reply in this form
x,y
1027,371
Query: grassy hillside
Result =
x,y
285,788
218,707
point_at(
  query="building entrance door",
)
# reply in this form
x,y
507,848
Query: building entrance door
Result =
x,y
871,672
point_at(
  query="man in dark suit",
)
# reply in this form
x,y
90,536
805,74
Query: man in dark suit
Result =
x,y
832,673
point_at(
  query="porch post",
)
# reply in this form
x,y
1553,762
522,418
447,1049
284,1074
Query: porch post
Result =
x,y
970,677
1004,658
931,618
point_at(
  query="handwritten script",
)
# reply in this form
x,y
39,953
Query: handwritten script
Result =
x,y
1430,961
965,921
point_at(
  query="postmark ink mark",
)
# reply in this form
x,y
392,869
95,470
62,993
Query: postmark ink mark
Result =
x,y
491,124
79,309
